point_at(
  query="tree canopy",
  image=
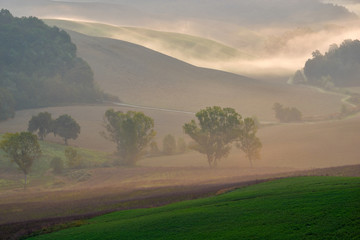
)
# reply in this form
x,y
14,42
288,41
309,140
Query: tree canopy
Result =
x,y
66,127
287,114
22,148
39,66
216,129
249,143
339,66
131,131
42,123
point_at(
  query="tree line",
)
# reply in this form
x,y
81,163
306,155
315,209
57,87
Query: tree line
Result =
x,y
39,67
338,67
214,132
217,128
64,126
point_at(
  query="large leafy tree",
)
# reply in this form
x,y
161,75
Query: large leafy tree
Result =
x,y
66,127
216,130
249,143
22,148
131,131
42,123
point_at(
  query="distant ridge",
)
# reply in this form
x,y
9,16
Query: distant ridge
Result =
x,y
141,76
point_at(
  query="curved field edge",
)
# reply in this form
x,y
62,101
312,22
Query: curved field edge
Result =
x,y
292,208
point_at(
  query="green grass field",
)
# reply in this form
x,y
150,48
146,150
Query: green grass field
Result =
x,y
38,176
293,208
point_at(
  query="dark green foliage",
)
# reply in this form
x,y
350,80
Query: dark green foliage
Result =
x,y
57,165
22,148
296,208
42,123
286,114
39,66
340,66
217,129
249,143
66,127
131,131
169,144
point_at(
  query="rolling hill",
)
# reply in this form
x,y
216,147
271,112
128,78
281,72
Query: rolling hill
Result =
x,y
181,46
141,76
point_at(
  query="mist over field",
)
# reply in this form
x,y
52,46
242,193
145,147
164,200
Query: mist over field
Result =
x,y
285,73
271,32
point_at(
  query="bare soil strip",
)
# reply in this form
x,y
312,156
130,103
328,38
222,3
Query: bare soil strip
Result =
x,y
60,214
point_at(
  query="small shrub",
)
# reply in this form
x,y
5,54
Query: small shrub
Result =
x,y
74,160
57,164
286,114
169,144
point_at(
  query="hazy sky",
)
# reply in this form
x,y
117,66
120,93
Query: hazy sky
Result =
x,y
281,33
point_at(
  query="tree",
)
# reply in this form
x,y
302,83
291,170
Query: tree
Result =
x,y
131,131
169,144
74,160
42,123
248,142
66,127
217,129
22,148
286,114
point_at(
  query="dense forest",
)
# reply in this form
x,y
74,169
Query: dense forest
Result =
x,y
39,67
339,67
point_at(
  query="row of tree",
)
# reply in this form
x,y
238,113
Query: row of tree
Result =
x,y
217,128
170,146
214,132
64,126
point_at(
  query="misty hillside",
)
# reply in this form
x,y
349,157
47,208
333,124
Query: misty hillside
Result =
x,y
269,30
39,67
181,46
339,66
138,75
148,12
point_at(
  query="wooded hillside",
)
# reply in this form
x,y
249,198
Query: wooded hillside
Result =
x,y
39,67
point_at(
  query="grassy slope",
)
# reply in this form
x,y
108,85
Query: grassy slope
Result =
x,y
11,178
181,46
295,208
